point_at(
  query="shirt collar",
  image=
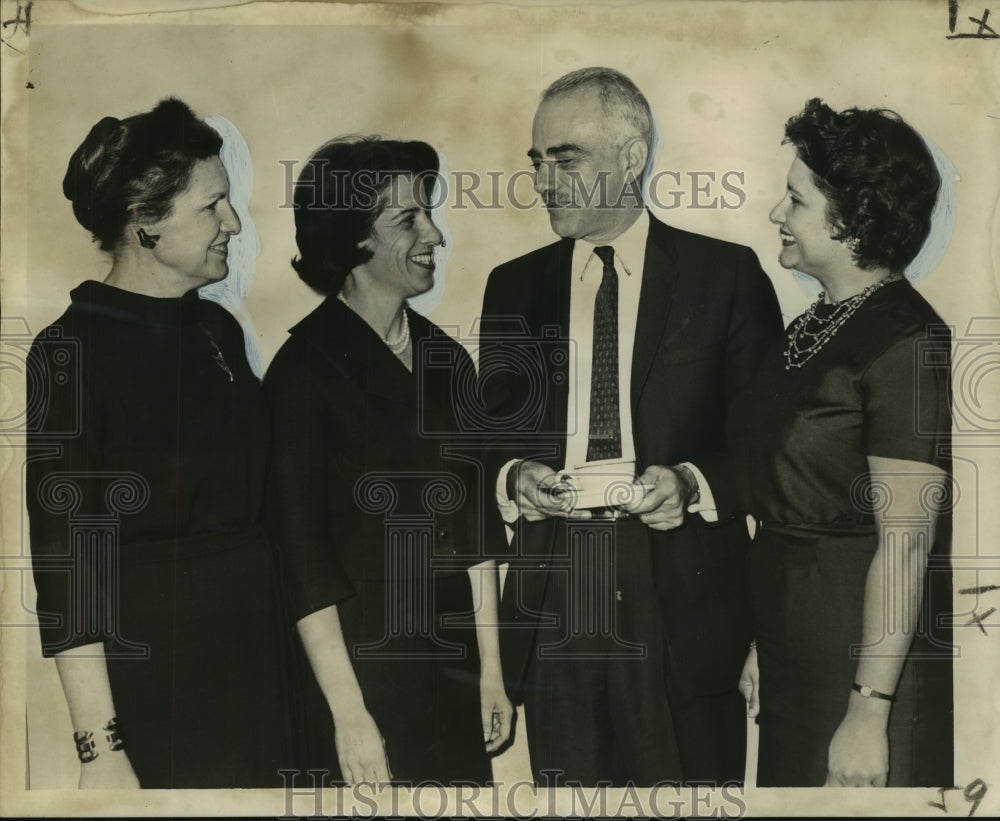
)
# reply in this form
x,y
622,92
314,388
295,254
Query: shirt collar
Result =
x,y
630,249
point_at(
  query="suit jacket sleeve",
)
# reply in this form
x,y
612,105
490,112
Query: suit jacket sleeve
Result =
x,y
495,392
754,322
522,370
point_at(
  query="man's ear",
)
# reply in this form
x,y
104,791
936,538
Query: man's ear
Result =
x,y
636,153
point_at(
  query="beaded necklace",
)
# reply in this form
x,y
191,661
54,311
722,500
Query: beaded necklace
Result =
x,y
812,332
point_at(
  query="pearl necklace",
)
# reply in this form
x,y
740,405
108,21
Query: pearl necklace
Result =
x,y
401,342
812,332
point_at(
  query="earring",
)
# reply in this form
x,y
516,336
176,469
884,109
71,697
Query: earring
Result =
x,y
853,244
147,240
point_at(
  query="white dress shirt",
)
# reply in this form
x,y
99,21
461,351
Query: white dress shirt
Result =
x,y
587,272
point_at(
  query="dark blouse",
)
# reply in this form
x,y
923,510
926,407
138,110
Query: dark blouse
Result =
x,y
373,502
880,387
364,452
144,411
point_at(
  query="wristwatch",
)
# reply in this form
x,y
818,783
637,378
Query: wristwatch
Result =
x,y
868,692
691,483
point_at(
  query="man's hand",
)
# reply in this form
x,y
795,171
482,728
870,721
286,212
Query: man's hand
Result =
x,y
663,506
538,492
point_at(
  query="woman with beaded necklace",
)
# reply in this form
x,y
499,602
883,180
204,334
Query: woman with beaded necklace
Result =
x,y
376,520
845,446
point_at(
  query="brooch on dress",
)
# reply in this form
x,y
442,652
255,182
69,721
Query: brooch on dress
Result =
x,y
217,356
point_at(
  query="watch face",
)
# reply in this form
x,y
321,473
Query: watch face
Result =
x,y
866,691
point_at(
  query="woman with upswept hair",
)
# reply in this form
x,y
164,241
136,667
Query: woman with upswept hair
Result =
x,y
157,590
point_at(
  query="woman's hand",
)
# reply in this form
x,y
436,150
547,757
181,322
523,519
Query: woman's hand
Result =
x,y
894,589
859,753
360,748
361,751
497,712
111,770
749,686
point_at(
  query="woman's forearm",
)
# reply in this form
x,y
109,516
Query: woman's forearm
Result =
x,y
895,583
893,593
859,749
323,639
83,672
360,747
485,597
496,711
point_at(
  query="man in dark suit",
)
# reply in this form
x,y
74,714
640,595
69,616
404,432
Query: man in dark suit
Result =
x,y
624,626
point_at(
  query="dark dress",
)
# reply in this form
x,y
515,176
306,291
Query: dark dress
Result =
x,y
144,481
372,515
877,388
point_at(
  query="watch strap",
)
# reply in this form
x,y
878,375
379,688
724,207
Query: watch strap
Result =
x,y
868,692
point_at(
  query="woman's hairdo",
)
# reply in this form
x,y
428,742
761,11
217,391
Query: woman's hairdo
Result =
x,y
338,196
130,170
877,175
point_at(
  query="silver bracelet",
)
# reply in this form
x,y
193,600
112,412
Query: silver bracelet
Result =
x,y
86,747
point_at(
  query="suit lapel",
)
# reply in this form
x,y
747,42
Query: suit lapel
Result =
x,y
659,278
560,273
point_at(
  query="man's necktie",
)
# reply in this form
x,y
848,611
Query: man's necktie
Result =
x,y
605,439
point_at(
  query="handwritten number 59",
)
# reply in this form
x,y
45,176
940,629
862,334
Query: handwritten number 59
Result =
x,y
973,793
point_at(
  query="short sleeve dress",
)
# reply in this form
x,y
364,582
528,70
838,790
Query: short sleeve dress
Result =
x,y
374,505
148,436
879,387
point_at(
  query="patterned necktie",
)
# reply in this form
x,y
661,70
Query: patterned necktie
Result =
x,y
605,439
